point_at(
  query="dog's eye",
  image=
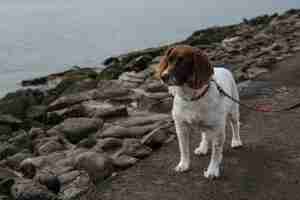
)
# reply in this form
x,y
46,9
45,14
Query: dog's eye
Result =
x,y
180,59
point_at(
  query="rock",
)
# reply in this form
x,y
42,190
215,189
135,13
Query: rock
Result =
x,y
80,85
80,188
88,143
37,113
51,145
4,197
5,129
157,137
126,132
21,139
70,100
50,180
132,77
69,176
7,150
255,71
97,165
124,161
159,104
107,145
155,86
76,129
25,189
36,133
17,103
7,179
15,160
58,116
104,110
134,148
139,63
9,119
144,119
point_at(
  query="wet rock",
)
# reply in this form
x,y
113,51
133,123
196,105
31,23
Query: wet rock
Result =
x,y
15,160
134,148
17,103
49,145
25,189
108,145
80,188
21,139
144,119
58,116
80,85
37,113
9,120
70,100
76,129
7,150
50,180
154,86
98,166
5,129
255,71
88,143
104,110
126,132
7,179
124,161
157,137
138,63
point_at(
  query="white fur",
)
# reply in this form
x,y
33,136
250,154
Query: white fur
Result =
x,y
208,116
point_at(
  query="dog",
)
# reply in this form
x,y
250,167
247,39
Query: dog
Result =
x,y
198,105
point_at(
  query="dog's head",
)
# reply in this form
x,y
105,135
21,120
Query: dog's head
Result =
x,y
185,64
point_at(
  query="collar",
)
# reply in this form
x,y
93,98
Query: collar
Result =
x,y
198,94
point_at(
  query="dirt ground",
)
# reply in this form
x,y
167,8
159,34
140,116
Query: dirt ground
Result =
x,y
267,167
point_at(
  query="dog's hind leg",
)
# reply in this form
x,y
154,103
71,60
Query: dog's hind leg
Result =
x,y
202,149
235,127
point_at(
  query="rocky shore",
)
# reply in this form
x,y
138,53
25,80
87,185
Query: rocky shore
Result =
x,y
64,137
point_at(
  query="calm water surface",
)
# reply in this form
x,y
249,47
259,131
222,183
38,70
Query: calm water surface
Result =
x,y
38,37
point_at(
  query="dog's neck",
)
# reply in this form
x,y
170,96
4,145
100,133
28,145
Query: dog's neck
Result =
x,y
189,94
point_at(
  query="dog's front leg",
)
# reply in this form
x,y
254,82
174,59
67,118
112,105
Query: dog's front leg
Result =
x,y
183,136
213,170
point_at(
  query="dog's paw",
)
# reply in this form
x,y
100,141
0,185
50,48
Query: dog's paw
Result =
x,y
202,149
182,167
236,143
212,173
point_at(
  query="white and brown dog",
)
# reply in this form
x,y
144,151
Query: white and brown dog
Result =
x,y
198,105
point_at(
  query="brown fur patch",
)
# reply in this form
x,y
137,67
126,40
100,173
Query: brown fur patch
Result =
x,y
202,69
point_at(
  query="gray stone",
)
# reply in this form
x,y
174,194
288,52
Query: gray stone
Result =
x,y
126,132
134,148
104,110
25,189
107,145
157,137
124,161
76,129
7,150
98,166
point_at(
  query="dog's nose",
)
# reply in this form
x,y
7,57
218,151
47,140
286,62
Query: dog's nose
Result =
x,y
165,77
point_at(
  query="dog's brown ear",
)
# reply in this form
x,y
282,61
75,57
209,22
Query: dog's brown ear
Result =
x,y
202,69
163,63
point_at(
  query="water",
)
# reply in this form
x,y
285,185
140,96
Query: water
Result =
x,y
38,37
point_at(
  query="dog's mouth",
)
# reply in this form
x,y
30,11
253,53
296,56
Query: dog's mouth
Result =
x,y
176,77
